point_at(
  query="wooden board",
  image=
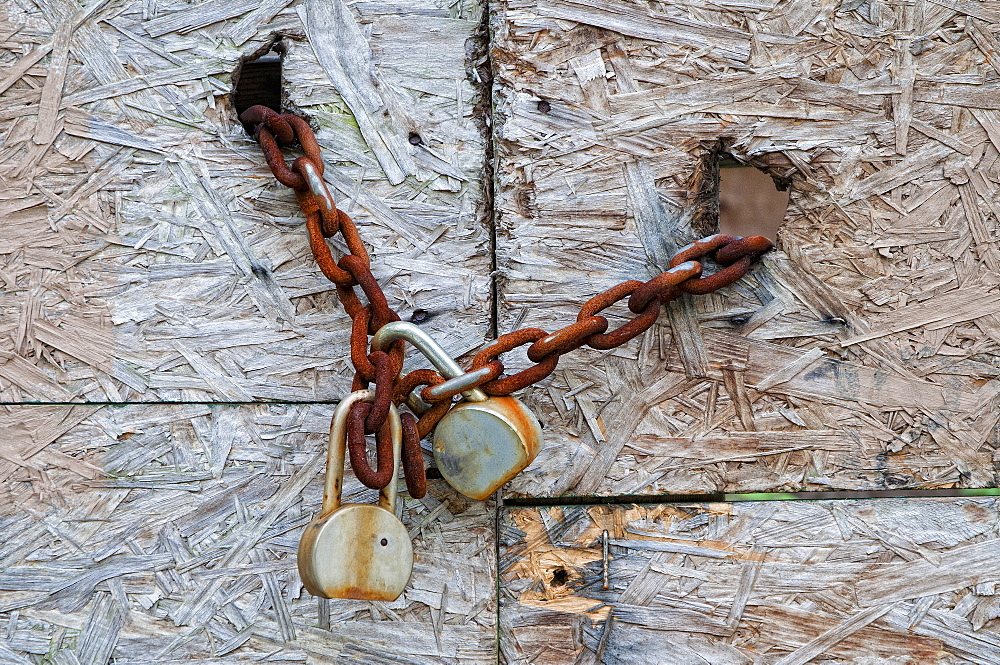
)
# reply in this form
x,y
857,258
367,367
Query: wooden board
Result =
x,y
874,581
166,533
864,352
147,253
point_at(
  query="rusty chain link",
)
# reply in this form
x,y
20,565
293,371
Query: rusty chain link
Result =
x,y
645,299
324,220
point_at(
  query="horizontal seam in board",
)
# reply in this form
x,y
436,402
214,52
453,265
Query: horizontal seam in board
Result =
x,y
179,403
623,499
630,499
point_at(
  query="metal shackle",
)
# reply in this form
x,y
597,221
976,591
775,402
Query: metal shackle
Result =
x,y
356,550
338,447
442,362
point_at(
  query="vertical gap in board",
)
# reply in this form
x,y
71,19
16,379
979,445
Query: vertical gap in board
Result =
x,y
479,68
497,588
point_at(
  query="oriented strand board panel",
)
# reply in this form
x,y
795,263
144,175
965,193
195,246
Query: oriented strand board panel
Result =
x,y
776,583
152,534
864,352
147,253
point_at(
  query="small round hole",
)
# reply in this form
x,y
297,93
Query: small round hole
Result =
x,y
415,139
384,542
419,315
560,576
544,106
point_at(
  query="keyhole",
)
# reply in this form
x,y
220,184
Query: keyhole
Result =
x,y
258,81
384,542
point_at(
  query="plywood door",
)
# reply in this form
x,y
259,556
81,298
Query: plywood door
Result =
x,y
149,259
154,533
149,254
863,352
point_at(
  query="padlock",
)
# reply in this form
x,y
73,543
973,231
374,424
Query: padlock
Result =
x,y
482,442
356,550
479,446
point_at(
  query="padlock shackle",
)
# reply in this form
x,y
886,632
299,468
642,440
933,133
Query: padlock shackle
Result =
x,y
337,449
426,344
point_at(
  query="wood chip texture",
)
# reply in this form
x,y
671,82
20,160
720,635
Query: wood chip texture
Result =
x,y
781,583
149,259
169,351
154,534
147,252
863,353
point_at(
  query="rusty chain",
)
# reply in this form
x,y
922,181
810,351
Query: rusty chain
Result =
x,y
324,220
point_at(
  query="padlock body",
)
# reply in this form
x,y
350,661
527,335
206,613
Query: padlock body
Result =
x,y
358,551
478,446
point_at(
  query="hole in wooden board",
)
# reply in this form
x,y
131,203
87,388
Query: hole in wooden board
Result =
x,y
560,576
259,81
750,203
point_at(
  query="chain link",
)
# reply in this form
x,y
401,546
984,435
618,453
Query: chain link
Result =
x,y
645,299
324,220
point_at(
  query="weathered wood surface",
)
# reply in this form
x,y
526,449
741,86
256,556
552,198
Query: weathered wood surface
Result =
x,y
147,252
769,583
864,352
165,533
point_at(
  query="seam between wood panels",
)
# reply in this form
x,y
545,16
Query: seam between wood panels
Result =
x,y
178,403
496,546
719,497
482,64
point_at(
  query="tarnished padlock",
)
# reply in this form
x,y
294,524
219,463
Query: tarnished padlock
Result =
x,y
356,550
482,442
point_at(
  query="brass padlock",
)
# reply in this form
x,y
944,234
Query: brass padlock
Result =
x,y
482,442
356,550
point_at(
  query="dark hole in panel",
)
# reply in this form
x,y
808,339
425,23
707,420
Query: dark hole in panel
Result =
x,y
259,83
560,576
750,203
